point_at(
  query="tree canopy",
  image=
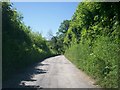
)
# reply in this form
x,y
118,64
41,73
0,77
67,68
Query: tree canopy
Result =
x,y
91,40
21,46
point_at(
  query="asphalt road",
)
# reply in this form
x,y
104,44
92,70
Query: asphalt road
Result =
x,y
54,72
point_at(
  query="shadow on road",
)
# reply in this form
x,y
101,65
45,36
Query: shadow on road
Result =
x,y
18,80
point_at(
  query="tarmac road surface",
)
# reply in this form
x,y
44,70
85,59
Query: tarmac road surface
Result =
x,y
54,72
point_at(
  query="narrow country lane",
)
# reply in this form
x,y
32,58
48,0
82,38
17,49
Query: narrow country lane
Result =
x,y
54,72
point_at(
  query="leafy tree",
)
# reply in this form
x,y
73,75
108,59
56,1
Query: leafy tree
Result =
x,y
21,46
92,40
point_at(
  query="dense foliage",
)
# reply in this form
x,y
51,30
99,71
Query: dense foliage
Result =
x,y
57,42
21,46
92,39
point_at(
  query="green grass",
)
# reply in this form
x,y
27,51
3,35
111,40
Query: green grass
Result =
x,y
99,60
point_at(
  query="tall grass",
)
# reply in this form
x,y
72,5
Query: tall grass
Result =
x,y
99,60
